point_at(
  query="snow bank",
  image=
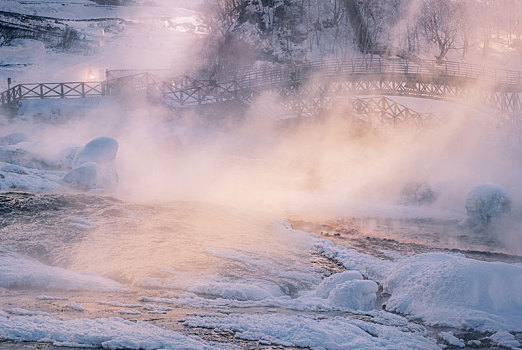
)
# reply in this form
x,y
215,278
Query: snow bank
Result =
x,y
444,289
317,333
505,339
107,333
459,292
485,204
17,271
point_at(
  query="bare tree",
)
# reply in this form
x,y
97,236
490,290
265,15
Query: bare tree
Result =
x,y
440,20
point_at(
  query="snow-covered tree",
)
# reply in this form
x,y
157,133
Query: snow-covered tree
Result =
x,y
441,22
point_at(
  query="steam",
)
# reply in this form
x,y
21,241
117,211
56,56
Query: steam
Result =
x,y
330,166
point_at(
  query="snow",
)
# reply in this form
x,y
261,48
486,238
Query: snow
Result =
x,y
23,168
451,339
107,333
75,307
444,289
348,290
118,304
49,298
485,204
18,271
506,339
313,332
128,312
101,150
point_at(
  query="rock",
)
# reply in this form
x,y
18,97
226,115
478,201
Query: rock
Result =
x,y
485,204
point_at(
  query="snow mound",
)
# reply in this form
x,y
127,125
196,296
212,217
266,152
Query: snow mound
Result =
x,y
316,333
455,291
486,203
101,150
17,271
107,333
348,290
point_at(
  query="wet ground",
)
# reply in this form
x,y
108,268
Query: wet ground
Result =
x,y
126,242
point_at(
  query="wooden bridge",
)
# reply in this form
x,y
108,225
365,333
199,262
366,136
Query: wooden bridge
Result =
x,y
310,88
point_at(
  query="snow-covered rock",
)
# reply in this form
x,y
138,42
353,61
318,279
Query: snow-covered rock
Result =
x,y
451,339
101,150
505,339
485,204
348,290
91,176
418,194
84,177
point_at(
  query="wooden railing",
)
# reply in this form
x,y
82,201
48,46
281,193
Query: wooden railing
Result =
x,y
424,69
51,90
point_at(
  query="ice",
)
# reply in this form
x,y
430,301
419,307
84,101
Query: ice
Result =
x,y
506,339
485,204
18,271
316,333
107,333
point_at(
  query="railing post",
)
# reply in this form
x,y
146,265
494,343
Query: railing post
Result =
x,y
83,89
41,91
62,95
